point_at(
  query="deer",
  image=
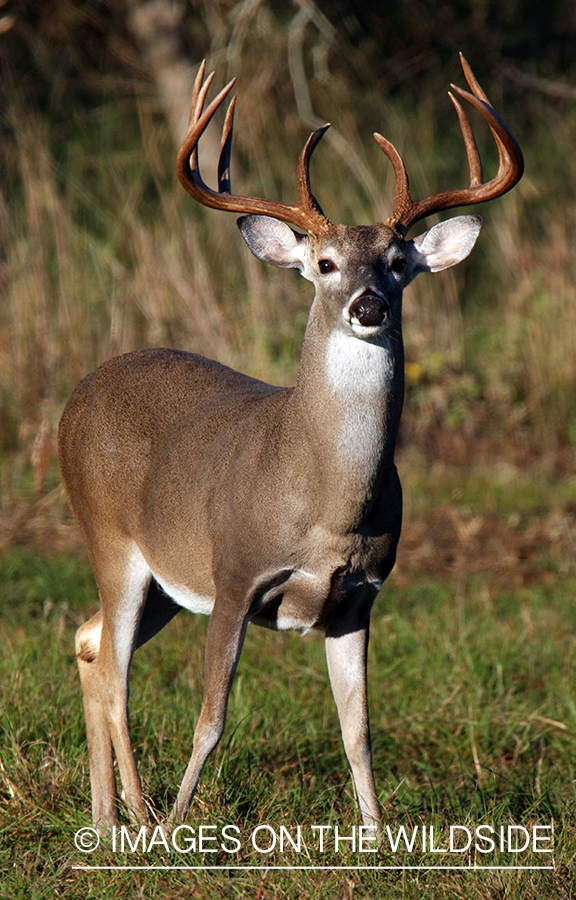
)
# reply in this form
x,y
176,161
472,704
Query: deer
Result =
x,y
198,487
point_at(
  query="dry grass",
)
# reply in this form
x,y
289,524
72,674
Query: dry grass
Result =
x,y
103,253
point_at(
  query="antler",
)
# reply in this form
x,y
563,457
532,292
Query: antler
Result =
x,y
510,165
305,214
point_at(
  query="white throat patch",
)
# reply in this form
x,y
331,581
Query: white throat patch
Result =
x,y
357,367
359,374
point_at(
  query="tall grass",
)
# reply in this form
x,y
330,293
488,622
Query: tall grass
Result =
x,y
103,253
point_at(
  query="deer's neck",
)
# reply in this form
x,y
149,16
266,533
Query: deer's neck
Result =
x,y
348,403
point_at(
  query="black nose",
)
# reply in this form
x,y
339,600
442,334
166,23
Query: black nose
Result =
x,y
369,309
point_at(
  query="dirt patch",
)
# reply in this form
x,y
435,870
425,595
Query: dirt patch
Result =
x,y
516,552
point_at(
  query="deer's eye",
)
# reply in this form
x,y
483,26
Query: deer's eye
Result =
x,y
398,265
326,266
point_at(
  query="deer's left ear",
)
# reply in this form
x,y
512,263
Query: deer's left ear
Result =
x,y
445,244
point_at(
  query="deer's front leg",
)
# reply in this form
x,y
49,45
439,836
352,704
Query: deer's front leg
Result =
x,y
224,643
346,654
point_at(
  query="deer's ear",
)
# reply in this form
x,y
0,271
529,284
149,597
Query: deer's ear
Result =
x,y
273,241
445,244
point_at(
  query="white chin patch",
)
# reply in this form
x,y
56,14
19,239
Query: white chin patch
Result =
x,y
366,331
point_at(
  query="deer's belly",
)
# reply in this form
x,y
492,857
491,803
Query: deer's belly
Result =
x,y
185,597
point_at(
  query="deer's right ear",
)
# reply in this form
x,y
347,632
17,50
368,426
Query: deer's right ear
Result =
x,y
273,241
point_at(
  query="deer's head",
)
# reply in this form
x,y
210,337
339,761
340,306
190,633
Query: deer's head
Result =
x,y
359,272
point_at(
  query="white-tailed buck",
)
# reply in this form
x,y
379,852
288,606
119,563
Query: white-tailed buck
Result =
x,y
196,486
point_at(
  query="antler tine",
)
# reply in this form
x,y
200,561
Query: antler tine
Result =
x,y
199,94
403,203
306,199
479,93
474,161
306,214
224,186
198,122
196,91
510,159
510,163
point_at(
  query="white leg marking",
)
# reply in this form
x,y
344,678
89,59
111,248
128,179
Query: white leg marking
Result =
x,y
137,577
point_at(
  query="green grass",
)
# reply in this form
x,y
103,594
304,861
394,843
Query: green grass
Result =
x,y
473,721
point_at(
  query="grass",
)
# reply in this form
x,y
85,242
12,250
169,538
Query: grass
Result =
x,y
104,253
473,720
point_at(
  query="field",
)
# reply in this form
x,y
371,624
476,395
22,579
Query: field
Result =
x,y
473,641
473,719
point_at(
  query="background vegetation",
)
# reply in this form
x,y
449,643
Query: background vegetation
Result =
x,y
102,252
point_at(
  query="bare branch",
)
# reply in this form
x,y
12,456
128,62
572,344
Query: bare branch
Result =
x,y
308,14
544,85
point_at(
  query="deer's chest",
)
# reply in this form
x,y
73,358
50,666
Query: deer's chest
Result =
x,y
312,599
332,579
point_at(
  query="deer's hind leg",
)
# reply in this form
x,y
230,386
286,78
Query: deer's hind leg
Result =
x,y
104,647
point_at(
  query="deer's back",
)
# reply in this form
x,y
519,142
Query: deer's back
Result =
x,y
138,415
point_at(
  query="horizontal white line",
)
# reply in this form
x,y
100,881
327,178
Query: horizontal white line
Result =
x,y
313,868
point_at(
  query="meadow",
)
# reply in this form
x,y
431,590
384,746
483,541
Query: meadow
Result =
x,y
472,712
473,640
